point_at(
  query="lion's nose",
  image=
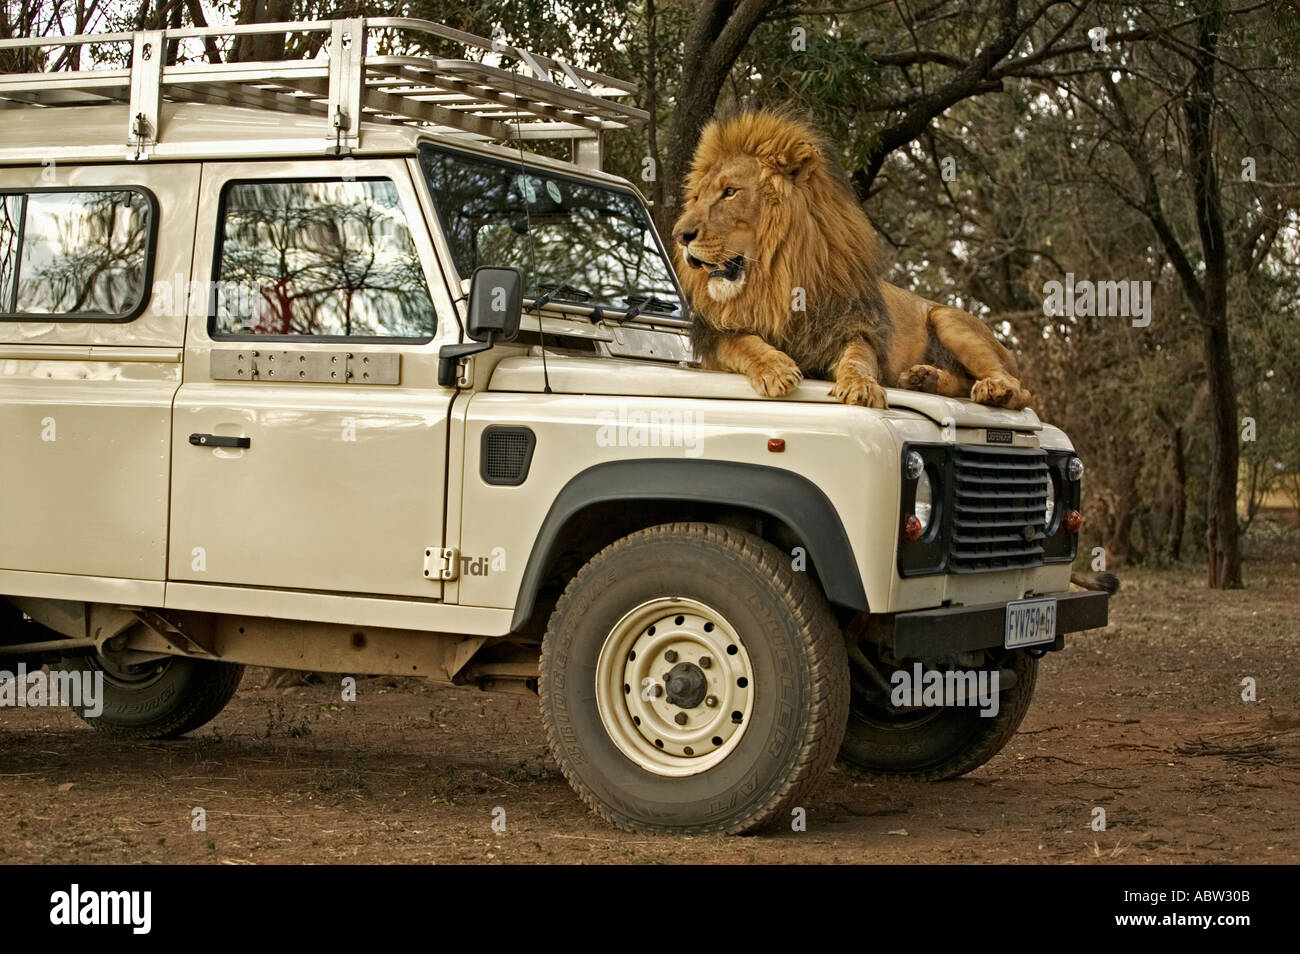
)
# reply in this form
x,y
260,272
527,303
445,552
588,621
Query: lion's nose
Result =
x,y
686,238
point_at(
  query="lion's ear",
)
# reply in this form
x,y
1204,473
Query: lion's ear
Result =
x,y
800,161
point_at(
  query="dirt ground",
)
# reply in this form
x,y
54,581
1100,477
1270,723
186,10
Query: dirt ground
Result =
x,y
1144,719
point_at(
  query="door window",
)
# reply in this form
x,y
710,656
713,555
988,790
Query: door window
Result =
x,y
328,258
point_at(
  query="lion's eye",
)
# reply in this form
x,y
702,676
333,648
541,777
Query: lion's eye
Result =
x,y
728,192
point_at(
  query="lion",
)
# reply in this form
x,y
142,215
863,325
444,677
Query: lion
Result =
x,y
779,263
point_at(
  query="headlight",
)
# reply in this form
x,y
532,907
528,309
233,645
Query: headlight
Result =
x,y
915,465
924,505
1074,469
1051,504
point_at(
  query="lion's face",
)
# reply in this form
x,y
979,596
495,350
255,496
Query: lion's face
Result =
x,y
767,222
719,227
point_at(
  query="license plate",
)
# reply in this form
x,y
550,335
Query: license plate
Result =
x,y
1030,623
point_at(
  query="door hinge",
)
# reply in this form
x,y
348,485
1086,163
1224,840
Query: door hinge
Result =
x,y
441,563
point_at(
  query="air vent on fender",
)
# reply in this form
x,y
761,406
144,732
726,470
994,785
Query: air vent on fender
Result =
x,y
506,454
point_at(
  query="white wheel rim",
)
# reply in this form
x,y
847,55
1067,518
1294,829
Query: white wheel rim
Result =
x,y
689,722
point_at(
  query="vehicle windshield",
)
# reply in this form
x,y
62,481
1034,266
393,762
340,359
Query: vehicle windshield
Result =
x,y
575,241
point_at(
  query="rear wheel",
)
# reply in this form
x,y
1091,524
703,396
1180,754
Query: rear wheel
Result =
x,y
931,744
691,681
160,699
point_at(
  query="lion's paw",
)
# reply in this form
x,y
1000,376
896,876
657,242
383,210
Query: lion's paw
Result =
x,y
856,389
774,375
999,392
920,377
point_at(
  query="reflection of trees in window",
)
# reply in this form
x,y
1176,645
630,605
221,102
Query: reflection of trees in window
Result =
x,y
591,237
321,258
10,217
83,253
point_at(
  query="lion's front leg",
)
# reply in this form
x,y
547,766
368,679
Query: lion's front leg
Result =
x,y
857,376
771,372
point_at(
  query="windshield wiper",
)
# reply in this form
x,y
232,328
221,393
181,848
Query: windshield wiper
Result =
x,y
567,293
560,292
644,303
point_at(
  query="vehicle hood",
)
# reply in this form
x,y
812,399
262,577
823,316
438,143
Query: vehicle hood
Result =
x,y
632,378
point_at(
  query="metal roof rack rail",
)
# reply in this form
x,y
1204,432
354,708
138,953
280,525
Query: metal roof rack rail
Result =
x,y
347,83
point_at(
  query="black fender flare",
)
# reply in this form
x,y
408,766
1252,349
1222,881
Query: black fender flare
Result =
x,y
790,497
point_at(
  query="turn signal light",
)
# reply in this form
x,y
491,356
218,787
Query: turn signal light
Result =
x,y
912,529
1073,521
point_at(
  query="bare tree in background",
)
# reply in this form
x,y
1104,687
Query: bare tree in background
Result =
x,y
1196,96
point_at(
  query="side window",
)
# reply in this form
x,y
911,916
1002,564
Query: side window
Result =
x,y
81,256
318,258
11,217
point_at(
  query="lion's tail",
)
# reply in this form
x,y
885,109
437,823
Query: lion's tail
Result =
x,y
1106,582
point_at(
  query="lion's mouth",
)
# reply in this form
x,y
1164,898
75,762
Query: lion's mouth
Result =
x,y
731,269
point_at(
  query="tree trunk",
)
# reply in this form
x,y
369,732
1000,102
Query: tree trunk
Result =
x,y
209,44
1178,517
1221,537
1119,548
717,34
268,46
1221,532
1208,295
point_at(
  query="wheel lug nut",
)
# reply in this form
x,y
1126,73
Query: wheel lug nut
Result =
x,y
680,718
711,701
656,690
671,656
705,662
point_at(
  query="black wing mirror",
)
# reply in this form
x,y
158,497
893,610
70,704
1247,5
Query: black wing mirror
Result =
x,y
496,305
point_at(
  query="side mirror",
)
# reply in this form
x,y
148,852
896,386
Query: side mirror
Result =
x,y
496,303
496,306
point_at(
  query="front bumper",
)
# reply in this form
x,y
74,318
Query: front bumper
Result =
x,y
954,629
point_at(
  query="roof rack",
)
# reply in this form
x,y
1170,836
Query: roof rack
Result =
x,y
346,83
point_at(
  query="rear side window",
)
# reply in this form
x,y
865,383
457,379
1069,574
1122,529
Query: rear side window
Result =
x,y
75,255
326,258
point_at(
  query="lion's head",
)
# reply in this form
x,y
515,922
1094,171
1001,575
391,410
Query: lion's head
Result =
x,y
767,213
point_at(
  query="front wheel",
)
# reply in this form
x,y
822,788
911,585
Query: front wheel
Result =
x,y
932,744
691,681
160,699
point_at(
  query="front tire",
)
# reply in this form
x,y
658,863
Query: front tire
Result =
x,y
691,681
160,699
938,743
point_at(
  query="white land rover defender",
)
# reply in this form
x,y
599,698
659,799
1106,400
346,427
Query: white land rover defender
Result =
x,y
314,364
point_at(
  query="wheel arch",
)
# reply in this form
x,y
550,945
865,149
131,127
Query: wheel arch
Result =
x,y
667,487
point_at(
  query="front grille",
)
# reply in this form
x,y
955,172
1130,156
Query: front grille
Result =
x,y
999,509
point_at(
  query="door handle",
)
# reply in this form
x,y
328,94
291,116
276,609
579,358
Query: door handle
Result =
x,y
217,440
